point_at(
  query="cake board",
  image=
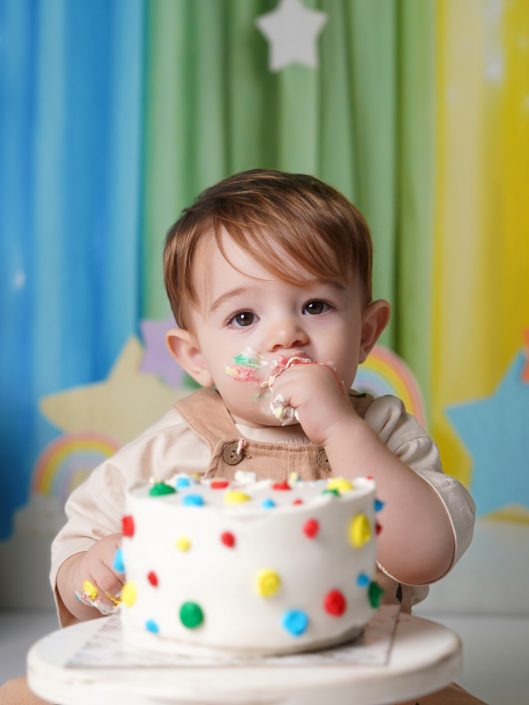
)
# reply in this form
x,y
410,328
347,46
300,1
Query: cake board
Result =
x,y
74,666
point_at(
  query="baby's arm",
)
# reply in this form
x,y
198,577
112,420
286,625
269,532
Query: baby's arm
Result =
x,y
417,543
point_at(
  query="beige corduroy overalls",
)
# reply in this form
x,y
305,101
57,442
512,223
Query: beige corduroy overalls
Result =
x,y
205,414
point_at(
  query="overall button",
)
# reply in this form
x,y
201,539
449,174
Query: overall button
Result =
x,y
230,455
323,460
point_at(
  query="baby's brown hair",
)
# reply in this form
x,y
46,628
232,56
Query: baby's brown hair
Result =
x,y
267,213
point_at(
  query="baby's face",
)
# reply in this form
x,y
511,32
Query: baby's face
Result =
x,y
252,309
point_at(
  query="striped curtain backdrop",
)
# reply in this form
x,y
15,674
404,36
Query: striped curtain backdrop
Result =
x,y
114,114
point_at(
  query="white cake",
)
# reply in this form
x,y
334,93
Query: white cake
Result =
x,y
249,567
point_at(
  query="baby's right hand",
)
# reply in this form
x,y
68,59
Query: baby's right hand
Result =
x,y
97,566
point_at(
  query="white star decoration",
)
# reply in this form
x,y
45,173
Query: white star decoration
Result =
x,y
292,30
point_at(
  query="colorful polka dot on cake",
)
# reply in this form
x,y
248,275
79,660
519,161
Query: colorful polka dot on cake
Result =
x,y
375,593
332,491
159,489
118,564
311,528
183,544
236,497
363,580
359,530
152,626
191,615
281,486
379,505
129,594
219,484
295,622
127,526
152,578
339,483
228,539
335,603
268,582
193,500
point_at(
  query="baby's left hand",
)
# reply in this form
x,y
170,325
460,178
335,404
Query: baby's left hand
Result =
x,y
319,398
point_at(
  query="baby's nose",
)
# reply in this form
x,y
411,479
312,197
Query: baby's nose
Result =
x,y
286,334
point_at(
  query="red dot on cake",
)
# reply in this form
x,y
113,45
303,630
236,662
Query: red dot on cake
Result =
x,y
152,578
311,528
281,486
334,603
219,484
127,526
297,501
228,539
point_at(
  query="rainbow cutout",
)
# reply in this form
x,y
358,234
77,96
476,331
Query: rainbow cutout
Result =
x,y
68,460
384,372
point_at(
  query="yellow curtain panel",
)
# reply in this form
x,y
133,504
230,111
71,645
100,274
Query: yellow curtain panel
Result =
x,y
481,250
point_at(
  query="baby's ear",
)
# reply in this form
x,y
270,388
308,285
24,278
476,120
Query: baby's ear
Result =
x,y
183,346
374,319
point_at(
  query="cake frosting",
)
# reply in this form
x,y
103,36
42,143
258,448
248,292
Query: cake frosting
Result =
x,y
249,567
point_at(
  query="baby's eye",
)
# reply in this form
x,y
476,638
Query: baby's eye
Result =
x,y
242,319
315,308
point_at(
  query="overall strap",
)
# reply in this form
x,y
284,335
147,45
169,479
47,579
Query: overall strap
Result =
x,y
205,413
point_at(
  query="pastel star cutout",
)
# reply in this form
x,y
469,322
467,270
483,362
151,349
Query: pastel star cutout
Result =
x,y
157,359
292,30
494,431
121,407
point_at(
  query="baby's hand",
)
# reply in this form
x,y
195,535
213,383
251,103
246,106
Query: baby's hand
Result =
x,y
96,580
318,397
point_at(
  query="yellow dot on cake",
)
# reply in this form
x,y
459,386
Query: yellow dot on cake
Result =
x,y
236,497
267,582
183,543
129,594
359,530
339,483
